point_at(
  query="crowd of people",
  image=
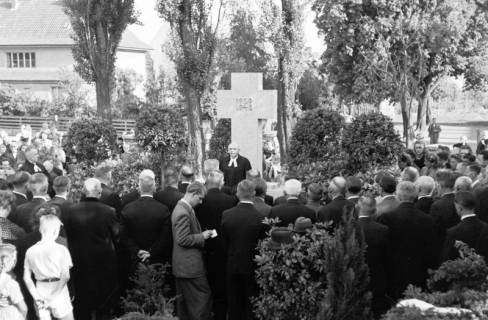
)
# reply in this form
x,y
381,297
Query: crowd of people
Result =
x,y
70,260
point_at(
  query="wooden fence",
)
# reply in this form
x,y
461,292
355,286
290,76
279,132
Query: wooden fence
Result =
x,y
12,124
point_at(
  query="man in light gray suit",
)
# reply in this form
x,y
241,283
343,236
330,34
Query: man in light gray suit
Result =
x,y
192,289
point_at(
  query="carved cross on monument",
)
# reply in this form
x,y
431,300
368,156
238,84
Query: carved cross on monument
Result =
x,y
247,105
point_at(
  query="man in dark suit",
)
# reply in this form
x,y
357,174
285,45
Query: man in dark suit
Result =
x,y
129,197
376,237
109,196
353,189
482,204
187,176
260,187
315,192
209,215
147,225
442,210
19,181
242,227
192,289
93,230
234,166
334,210
61,187
253,175
23,214
289,212
426,185
170,195
388,202
412,242
32,164
470,230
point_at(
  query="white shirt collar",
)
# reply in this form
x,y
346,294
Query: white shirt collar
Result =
x,y
352,197
183,200
147,195
468,216
361,216
233,161
248,202
60,196
424,196
45,198
20,194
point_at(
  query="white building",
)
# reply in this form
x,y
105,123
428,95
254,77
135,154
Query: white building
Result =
x,y
35,47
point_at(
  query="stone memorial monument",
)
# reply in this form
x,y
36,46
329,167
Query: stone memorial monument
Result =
x,y
248,106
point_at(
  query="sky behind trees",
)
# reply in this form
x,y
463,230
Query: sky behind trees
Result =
x,y
152,23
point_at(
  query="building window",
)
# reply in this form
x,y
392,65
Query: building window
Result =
x,y
21,59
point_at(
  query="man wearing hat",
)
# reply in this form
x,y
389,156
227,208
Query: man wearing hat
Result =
x,y
242,227
289,211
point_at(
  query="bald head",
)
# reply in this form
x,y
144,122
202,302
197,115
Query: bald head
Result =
x,y
425,185
215,179
147,184
337,187
93,188
463,184
233,150
292,188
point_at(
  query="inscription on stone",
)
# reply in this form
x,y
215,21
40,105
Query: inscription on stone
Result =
x,y
244,104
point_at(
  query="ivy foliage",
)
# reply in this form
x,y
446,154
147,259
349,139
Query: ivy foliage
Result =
x,y
90,140
220,140
370,141
317,276
315,147
316,137
459,283
162,131
292,280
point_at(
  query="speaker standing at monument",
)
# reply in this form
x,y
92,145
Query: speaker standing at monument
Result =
x,y
234,166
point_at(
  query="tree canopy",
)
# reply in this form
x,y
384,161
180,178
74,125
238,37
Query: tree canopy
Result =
x,y
97,31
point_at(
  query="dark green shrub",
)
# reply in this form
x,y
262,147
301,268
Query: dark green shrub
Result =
x,y
347,295
162,132
371,141
148,299
315,149
292,280
78,173
90,140
220,140
125,174
316,137
459,283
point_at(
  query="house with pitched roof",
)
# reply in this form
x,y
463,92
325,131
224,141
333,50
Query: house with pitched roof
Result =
x,y
35,47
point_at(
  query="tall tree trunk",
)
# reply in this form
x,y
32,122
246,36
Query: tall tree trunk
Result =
x,y
104,95
405,117
282,111
423,106
194,114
